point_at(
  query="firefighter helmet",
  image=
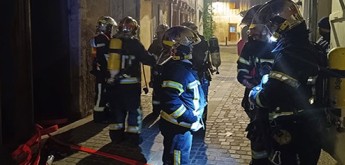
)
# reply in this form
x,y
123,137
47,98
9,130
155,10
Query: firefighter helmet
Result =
x,y
177,44
106,24
162,28
128,26
190,25
279,16
248,16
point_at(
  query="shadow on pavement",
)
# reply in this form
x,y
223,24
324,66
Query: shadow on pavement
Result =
x,y
152,146
74,136
198,153
122,150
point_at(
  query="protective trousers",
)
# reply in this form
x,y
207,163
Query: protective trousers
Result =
x,y
156,104
304,147
125,102
177,144
100,110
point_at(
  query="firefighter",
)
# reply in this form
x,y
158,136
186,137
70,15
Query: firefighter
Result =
x,y
155,49
201,62
125,55
255,59
100,44
182,97
287,95
325,34
245,22
254,62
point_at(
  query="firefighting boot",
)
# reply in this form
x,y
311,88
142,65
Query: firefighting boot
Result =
x,y
99,115
116,136
134,139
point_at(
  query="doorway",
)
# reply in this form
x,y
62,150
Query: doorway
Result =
x,y
232,32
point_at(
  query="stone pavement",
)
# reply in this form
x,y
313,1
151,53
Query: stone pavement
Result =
x,y
224,142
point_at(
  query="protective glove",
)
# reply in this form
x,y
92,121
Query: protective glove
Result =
x,y
196,126
253,94
110,80
196,113
264,80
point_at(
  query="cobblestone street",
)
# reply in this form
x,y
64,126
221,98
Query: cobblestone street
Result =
x,y
225,141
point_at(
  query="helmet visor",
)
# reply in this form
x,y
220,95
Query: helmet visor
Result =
x,y
278,15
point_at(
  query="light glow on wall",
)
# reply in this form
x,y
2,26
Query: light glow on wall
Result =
x,y
223,14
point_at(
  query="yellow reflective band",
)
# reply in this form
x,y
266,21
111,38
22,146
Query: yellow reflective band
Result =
x,y
130,80
284,25
189,56
261,60
284,78
99,91
252,26
174,85
179,111
244,61
168,43
259,154
258,101
177,157
116,126
133,129
274,115
156,102
100,45
193,84
242,70
98,109
172,120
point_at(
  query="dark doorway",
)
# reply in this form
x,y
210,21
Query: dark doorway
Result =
x,y
51,62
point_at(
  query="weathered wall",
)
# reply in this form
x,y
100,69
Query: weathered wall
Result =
x,y
146,35
148,13
90,11
146,26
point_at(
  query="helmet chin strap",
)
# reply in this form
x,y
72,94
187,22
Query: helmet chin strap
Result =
x,y
283,27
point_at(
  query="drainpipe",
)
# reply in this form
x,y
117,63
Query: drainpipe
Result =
x,y
312,24
170,13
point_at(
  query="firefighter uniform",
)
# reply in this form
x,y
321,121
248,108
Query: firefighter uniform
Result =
x,y
181,94
155,49
124,64
325,33
201,62
182,97
203,67
99,68
100,47
255,61
288,93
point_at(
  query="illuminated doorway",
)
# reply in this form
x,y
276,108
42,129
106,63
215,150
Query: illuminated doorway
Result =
x,y
232,32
